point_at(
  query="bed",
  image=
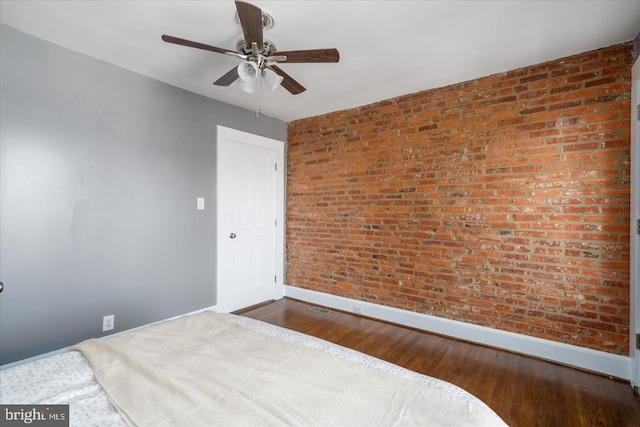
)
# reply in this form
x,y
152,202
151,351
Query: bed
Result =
x,y
221,369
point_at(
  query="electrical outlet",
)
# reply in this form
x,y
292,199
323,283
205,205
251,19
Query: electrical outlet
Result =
x,y
107,322
357,309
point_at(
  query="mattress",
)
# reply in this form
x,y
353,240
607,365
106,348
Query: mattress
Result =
x,y
69,379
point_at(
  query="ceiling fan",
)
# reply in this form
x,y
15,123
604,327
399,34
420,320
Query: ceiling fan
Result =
x,y
259,55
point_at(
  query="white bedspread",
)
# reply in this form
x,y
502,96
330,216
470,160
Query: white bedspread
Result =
x,y
440,402
203,369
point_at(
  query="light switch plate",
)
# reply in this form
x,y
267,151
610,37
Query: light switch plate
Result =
x,y
200,203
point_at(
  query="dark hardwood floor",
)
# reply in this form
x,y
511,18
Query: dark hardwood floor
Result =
x,y
524,391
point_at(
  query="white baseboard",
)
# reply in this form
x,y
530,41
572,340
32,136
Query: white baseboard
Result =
x,y
584,358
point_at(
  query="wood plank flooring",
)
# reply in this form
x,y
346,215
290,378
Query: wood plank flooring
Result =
x,y
524,391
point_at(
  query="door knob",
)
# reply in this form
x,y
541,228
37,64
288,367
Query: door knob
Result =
x,y
232,235
1,286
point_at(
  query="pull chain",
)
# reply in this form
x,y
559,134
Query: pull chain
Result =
x,y
259,89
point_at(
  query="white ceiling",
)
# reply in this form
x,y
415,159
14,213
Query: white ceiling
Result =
x,y
387,48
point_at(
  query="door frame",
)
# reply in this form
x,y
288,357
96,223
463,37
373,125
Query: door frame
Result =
x,y
634,282
225,134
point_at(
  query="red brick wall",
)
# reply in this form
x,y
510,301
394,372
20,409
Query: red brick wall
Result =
x,y
501,201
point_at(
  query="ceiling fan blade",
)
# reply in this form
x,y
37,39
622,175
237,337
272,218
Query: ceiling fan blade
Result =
x,y
251,21
184,42
314,55
228,78
289,83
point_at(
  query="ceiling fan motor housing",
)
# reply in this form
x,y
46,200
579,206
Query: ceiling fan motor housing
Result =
x,y
261,58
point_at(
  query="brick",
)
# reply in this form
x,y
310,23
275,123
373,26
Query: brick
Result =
x,y
502,201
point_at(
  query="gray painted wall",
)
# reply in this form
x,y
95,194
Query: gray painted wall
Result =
x,y
100,169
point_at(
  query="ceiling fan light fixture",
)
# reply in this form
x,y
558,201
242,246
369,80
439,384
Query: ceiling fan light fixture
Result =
x,y
248,87
248,71
272,79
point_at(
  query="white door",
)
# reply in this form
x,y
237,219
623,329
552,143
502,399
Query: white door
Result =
x,y
250,206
